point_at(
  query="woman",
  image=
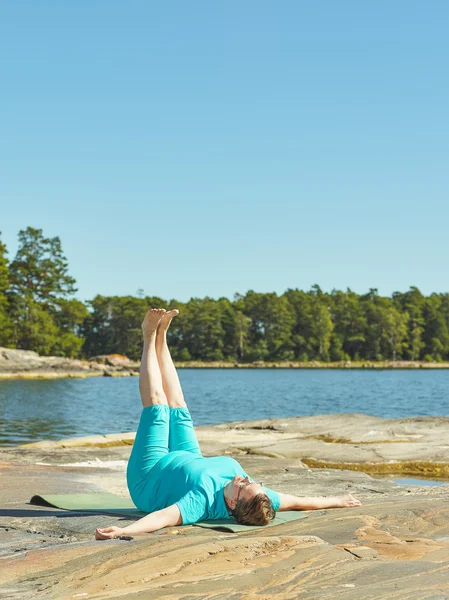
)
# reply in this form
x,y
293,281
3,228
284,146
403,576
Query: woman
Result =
x,y
167,475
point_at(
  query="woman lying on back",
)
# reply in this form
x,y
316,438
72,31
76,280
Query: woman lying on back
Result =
x,y
167,475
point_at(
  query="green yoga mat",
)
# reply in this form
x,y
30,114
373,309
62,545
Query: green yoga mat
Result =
x,y
111,504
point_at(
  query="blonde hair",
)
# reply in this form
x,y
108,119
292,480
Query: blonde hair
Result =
x,y
257,511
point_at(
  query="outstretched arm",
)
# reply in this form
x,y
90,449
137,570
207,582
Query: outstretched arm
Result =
x,y
296,503
167,517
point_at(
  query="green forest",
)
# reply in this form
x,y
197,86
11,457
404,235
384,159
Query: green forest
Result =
x,y
39,311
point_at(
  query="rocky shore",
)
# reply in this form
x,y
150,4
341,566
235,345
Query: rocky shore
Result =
x,y
395,546
26,364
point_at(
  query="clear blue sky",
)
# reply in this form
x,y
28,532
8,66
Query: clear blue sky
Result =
x,y
207,148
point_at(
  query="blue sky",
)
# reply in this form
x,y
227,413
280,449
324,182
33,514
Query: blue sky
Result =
x,y
207,148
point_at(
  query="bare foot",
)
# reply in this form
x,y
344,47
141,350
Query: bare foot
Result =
x,y
347,501
166,319
151,321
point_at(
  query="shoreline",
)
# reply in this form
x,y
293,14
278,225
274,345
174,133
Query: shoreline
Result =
x,y
398,364
132,369
351,441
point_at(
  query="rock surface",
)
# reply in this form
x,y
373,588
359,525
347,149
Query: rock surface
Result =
x,y
113,360
360,442
413,446
28,364
395,546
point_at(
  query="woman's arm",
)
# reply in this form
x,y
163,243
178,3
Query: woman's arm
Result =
x,y
295,503
167,517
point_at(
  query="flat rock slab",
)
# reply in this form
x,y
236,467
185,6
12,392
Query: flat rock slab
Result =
x,y
395,546
418,446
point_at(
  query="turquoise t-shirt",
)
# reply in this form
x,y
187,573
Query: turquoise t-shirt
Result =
x,y
196,485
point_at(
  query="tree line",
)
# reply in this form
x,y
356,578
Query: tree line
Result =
x,y
38,311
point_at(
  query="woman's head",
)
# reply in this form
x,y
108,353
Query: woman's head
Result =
x,y
248,501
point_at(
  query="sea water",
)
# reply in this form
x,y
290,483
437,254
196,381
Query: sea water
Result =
x,y
33,410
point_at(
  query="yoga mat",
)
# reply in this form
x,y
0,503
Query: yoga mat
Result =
x,y
110,504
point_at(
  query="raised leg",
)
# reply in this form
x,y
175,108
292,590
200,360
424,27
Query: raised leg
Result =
x,y
150,382
170,379
182,432
152,436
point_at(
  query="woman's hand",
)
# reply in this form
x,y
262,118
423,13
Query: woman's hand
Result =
x,y
167,517
108,533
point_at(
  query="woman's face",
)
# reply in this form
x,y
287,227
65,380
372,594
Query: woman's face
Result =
x,y
241,488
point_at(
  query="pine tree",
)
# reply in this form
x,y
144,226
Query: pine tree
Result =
x,y
39,270
40,284
6,337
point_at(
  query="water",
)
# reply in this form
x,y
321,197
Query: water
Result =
x,y
38,409
426,482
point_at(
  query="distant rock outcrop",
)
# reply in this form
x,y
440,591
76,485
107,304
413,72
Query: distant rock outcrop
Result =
x,y
28,364
114,360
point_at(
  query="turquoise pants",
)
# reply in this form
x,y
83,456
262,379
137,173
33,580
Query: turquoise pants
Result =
x,y
161,430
